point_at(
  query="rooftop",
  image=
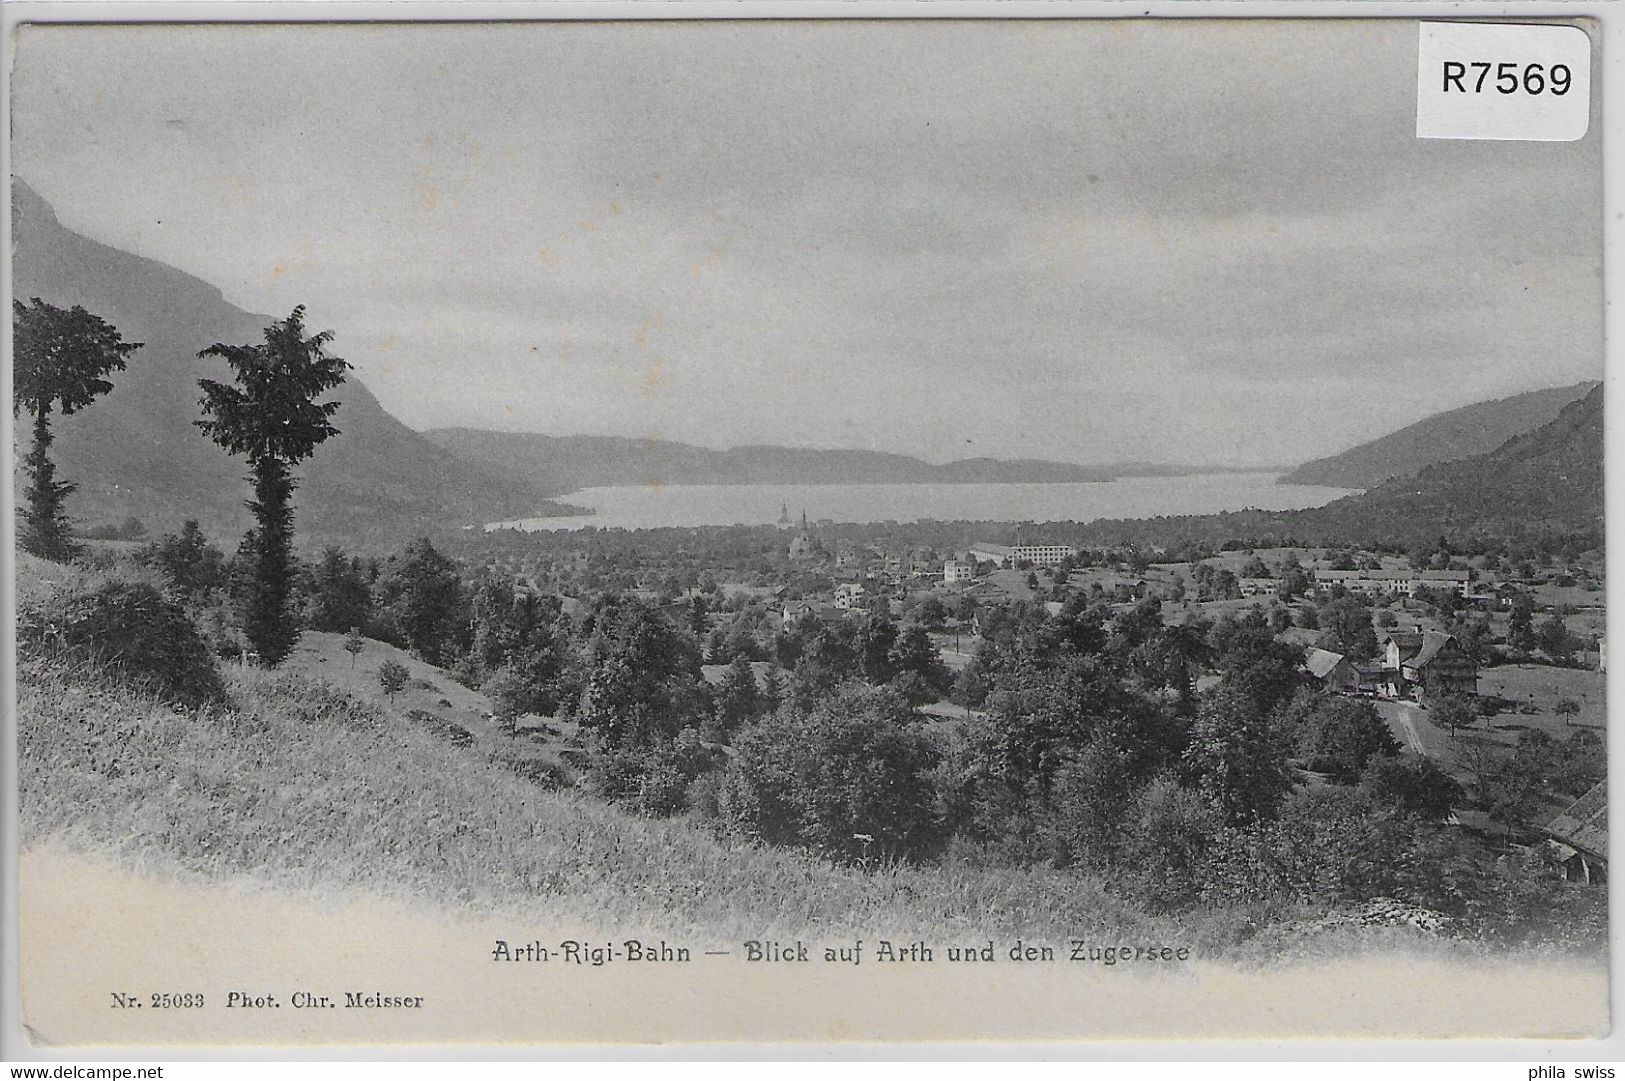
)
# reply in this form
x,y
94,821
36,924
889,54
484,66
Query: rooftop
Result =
x,y
1320,662
1584,823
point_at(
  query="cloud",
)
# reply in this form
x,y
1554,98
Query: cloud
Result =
x,y
1169,239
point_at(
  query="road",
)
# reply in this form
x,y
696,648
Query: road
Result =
x,y
1401,718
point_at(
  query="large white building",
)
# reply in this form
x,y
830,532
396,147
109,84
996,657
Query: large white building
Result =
x,y
956,571
1405,583
1008,555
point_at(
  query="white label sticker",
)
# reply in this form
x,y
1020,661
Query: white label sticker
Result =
x,y
1503,81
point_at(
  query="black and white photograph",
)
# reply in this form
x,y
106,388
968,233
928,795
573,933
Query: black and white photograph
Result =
x,y
624,531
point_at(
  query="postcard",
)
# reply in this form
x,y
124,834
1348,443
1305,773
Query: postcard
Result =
x,y
620,530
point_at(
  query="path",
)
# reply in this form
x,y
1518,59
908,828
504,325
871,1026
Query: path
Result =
x,y
1403,716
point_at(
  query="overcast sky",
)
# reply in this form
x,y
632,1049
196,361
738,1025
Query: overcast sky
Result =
x,y
1176,240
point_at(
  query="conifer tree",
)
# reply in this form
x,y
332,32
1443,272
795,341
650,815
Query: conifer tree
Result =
x,y
271,417
60,358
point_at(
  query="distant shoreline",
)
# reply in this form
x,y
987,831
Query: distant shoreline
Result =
x,y
1278,473
689,504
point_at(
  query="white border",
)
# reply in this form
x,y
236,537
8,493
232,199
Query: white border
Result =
x,y
1608,72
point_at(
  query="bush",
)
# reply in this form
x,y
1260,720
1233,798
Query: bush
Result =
x,y
543,772
1342,735
393,678
1333,846
1166,845
663,788
1089,806
133,628
317,702
653,780
1412,785
534,681
848,780
441,728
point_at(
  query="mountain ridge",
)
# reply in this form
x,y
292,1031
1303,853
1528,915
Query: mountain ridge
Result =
x,y
1449,436
135,452
570,462
1543,485
1548,479
566,463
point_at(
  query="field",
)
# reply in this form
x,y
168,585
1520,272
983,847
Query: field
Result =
x,y
1543,687
320,655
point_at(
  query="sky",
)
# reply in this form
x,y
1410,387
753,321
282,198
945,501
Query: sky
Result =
x,y
1211,242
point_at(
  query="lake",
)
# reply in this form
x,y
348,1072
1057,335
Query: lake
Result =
x,y
650,506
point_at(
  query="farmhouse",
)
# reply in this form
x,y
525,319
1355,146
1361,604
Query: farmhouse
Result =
x,y
1429,662
1257,587
795,611
1581,834
1333,670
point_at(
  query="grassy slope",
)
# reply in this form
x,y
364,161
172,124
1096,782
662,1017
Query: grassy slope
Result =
x,y
303,785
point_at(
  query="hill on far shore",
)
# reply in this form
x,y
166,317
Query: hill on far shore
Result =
x,y
1543,483
565,463
1443,437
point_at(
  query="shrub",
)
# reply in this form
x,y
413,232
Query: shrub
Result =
x,y
392,678
850,779
1089,803
1332,846
534,681
664,785
1412,785
1170,831
317,702
653,780
1342,736
133,628
450,731
542,772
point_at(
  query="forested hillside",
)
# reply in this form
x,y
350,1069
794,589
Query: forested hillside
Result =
x,y
1444,437
136,452
1547,483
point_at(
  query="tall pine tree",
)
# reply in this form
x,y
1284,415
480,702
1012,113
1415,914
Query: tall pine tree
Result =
x,y
271,417
60,358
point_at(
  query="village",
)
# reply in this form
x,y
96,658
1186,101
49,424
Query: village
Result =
x,y
1467,658
974,496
